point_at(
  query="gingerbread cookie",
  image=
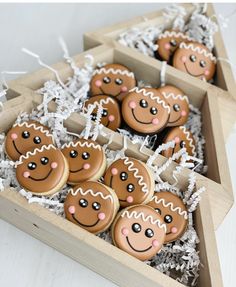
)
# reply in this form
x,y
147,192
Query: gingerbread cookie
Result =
x,y
111,117
43,171
86,160
145,110
26,137
168,42
131,180
92,206
114,80
140,231
179,105
196,60
182,138
174,213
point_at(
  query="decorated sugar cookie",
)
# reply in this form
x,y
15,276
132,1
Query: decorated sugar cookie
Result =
x,y
114,80
179,105
111,117
131,180
43,171
86,160
26,137
182,138
140,231
168,42
92,206
174,213
145,110
196,60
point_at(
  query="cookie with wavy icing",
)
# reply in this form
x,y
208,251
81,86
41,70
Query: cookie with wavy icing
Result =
x,y
43,171
86,160
173,212
111,117
140,231
196,60
179,105
131,180
145,110
113,80
26,137
92,206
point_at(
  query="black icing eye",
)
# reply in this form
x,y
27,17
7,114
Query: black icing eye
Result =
x,y
149,232
83,202
106,80
44,160
153,110
25,135
85,155
123,176
176,107
93,116
168,218
143,103
118,81
96,205
182,144
130,187
136,227
173,43
158,210
202,63
32,165
104,113
37,140
73,153
193,58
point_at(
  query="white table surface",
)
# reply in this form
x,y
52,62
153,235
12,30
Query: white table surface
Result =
x,y
25,261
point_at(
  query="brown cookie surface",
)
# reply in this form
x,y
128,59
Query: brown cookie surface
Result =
x,y
173,212
92,206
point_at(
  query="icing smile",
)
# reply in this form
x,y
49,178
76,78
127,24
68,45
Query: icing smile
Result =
x,y
176,120
74,171
85,225
16,148
41,179
186,68
144,123
108,93
136,250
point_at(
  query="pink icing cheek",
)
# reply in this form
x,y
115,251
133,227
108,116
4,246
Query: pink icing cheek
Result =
x,y
155,121
101,216
26,174
111,118
174,230
155,243
114,171
132,105
98,83
14,136
130,199
124,89
183,113
184,59
86,166
125,231
71,209
177,140
167,46
207,72
54,165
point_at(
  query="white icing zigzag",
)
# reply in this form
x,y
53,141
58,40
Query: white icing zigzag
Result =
x,y
198,50
32,125
171,206
175,97
137,215
91,192
114,72
130,164
100,103
145,93
175,34
187,133
84,144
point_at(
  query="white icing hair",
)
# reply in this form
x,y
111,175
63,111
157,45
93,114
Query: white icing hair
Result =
x,y
100,103
151,95
175,97
175,34
91,192
84,144
189,138
114,72
34,126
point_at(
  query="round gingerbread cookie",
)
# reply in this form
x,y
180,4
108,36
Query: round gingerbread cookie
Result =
x,y
140,231
92,206
173,212
145,110
196,60
111,117
86,160
43,171
168,42
131,180
179,105
114,80
182,138
26,137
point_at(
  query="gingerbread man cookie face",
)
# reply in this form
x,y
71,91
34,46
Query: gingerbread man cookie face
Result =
x,y
92,206
86,160
183,139
139,230
196,60
179,105
131,180
26,137
173,212
43,171
114,80
168,42
145,110
111,117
